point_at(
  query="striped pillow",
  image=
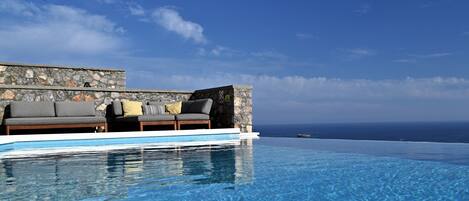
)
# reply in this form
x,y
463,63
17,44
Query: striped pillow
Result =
x,y
153,109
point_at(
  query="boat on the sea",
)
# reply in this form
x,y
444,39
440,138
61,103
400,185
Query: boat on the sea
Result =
x,y
303,135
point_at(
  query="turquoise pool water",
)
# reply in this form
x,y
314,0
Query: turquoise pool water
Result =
x,y
266,169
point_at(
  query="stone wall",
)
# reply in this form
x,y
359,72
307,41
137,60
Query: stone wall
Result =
x,y
42,75
232,106
242,117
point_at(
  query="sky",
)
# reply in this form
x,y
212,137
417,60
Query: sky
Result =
x,y
309,61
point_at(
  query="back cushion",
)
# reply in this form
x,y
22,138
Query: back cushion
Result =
x,y
74,109
153,109
117,108
197,106
132,108
32,109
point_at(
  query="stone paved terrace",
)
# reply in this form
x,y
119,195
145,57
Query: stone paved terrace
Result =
x,y
27,82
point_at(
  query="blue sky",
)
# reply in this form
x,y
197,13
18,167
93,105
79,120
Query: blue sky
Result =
x,y
309,61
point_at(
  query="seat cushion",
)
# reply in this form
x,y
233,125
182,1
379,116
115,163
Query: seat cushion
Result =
x,y
126,119
160,117
197,106
32,109
74,109
146,118
53,120
132,108
192,116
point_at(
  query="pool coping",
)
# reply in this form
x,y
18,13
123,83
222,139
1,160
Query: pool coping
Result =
x,y
26,153
249,136
113,135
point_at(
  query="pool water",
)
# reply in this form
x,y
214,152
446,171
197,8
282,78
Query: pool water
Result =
x,y
265,169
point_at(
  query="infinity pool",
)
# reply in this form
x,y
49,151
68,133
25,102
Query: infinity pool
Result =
x,y
265,169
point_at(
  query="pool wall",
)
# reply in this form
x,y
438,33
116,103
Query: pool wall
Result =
x,y
120,139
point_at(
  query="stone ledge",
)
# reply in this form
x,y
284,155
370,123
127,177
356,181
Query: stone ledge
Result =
x,y
91,89
60,66
242,86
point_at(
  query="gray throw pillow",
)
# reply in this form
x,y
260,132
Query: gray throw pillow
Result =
x,y
153,109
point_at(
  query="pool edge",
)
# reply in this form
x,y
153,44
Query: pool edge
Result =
x,y
112,135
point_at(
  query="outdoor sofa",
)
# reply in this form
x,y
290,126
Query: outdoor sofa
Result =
x,y
192,112
49,115
195,112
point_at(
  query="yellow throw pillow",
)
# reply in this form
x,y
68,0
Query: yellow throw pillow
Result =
x,y
132,108
174,108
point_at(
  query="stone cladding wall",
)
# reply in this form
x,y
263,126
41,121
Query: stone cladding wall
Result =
x,y
41,75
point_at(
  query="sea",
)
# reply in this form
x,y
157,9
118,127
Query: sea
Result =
x,y
453,132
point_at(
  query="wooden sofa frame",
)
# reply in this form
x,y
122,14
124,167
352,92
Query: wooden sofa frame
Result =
x,y
192,122
177,124
9,128
157,123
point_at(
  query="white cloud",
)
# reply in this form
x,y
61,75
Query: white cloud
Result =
x,y
136,9
107,1
56,30
414,58
70,15
357,53
321,88
202,51
304,36
433,55
18,7
218,51
270,55
429,4
363,9
256,56
172,21
318,99
405,60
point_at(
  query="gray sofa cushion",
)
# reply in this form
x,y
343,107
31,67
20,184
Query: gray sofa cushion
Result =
x,y
160,117
126,119
153,109
143,118
192,116
74,109
32,109
117,108
53,120
197,106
